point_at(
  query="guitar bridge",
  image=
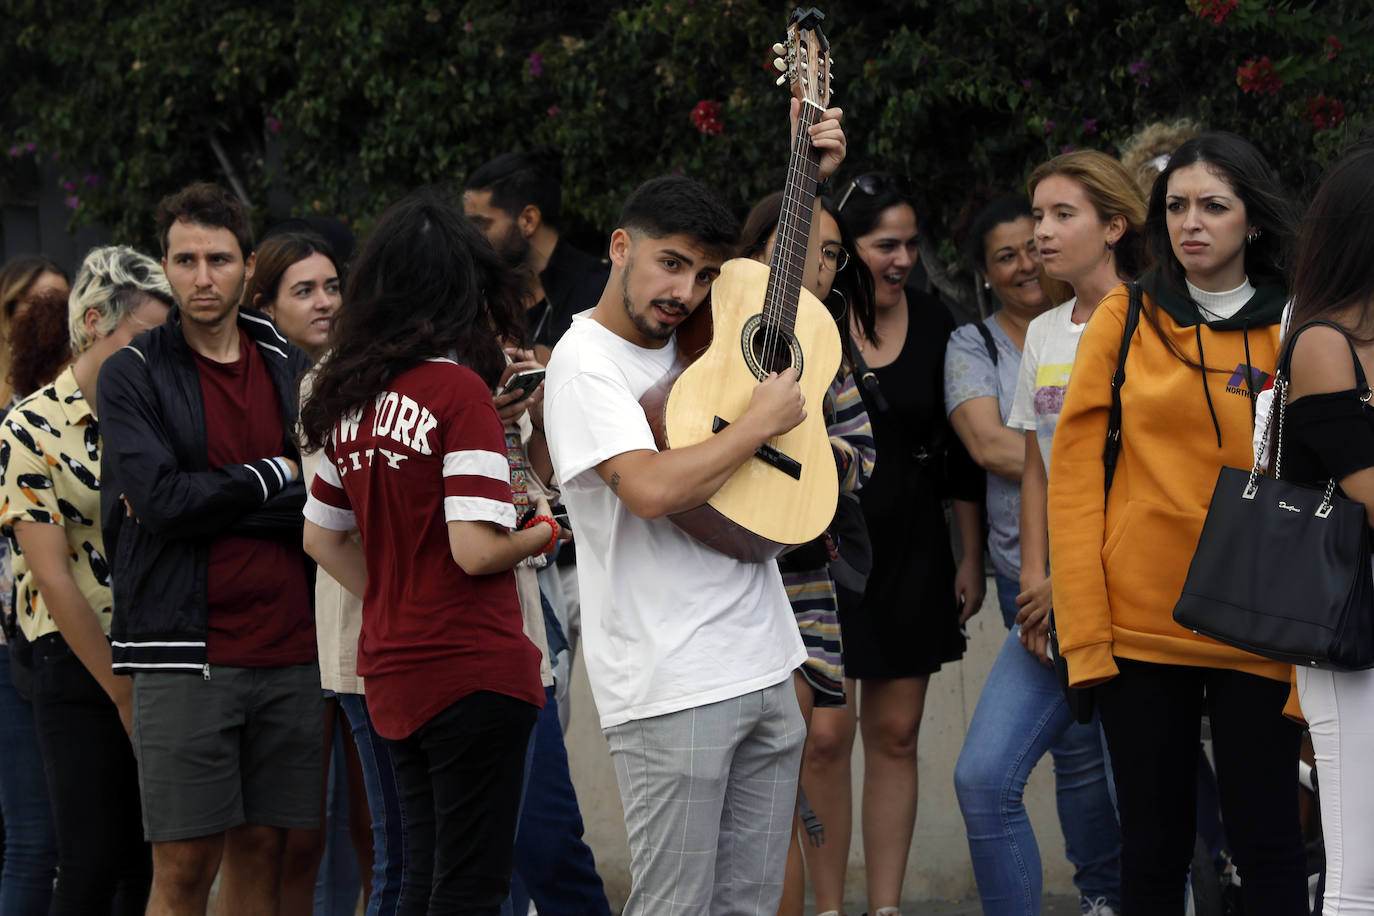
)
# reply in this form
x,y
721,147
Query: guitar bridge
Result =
x,y
768,454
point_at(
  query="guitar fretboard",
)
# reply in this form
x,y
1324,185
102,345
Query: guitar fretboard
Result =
x,y
794,227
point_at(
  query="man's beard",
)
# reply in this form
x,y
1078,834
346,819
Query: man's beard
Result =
x,y
513,247
230,301
644,323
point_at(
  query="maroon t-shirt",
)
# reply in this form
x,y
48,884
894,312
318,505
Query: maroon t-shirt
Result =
x,y
260,614
427,451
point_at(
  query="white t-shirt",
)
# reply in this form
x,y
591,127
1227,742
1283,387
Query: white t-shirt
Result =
x,y
1046,361
667,623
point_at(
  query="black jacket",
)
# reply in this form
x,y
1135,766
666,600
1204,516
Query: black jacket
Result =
x,y
573,282
152,429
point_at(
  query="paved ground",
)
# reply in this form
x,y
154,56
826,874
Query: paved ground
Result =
x,y
1053,906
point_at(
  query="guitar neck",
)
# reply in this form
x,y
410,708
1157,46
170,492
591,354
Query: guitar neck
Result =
x,y
794,228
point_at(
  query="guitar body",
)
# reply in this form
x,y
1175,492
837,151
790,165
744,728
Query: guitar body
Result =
x,y
786,496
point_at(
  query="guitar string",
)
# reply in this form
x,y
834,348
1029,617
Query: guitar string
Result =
x,y
790,262
782,248
780,310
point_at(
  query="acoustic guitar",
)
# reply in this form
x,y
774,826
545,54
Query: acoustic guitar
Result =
x,y
760,320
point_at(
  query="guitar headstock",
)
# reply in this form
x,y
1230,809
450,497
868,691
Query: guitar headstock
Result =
x,y
804,60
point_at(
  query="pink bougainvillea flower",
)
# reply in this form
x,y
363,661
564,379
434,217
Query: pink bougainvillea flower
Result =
x,y
467,26
1140,69
31,147
1324,113
554,111
69,185
72,202
1215,10
1333,47
1067,148
1027,84
1090,125
1258,76
706,118
273,125
16,151
93,180
536,64
1049,126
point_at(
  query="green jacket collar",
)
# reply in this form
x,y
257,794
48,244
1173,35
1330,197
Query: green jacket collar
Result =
x,y
1265,306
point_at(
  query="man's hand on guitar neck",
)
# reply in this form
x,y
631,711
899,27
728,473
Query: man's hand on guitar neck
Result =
x,y
826,136
654,484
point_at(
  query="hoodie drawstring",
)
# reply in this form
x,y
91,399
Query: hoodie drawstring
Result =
x,y
1249,373
1202,361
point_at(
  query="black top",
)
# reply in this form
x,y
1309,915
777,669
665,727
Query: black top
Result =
x,y
1328,435
907,623
573,282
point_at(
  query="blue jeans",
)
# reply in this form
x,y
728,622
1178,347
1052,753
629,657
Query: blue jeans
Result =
x,y
384,800
554,865
30,839
1021,714
337,882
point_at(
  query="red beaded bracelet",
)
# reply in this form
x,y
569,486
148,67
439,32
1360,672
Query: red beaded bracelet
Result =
x,y
552,524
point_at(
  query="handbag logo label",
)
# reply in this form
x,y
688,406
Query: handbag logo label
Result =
x,y
1284,505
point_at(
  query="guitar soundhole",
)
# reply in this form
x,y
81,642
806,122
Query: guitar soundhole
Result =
x,y
766,350
771,350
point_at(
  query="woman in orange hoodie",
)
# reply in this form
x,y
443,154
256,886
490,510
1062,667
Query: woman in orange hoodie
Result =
x,y
1218,229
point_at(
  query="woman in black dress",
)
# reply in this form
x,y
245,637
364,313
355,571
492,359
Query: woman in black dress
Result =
x,y
909,621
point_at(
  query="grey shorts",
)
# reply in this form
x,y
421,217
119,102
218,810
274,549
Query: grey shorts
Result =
x,y
244,747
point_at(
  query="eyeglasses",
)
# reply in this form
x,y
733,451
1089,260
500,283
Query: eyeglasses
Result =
x,y
834,258
870,183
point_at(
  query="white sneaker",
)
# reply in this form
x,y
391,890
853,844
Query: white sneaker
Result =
x,y
1097,907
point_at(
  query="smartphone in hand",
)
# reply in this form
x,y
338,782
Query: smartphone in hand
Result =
x,y
524,382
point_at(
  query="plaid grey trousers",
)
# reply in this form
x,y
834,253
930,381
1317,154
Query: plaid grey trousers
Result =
x,y
709,794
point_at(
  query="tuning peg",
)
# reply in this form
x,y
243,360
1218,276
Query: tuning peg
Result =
x,y
781,80
804,66
780,64
778,48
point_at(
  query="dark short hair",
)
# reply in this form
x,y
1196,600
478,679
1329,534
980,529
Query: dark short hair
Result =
x,y
673,205
1006,209
205,204
517,180
1266,206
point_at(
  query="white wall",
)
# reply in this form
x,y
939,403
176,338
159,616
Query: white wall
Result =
x,y
939,863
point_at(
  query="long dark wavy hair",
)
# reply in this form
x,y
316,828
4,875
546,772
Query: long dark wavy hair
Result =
x,y
1266,206
1335,247
852,288
426,284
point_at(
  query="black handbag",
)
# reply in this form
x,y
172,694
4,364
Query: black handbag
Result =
x,y
1283,570
1082,701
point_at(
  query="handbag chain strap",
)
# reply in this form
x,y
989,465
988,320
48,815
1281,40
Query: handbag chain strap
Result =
x,y
1280,404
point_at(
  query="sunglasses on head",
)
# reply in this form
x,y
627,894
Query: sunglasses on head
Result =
x,y
871,184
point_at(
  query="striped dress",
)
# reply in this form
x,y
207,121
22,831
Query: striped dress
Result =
x,y
811,591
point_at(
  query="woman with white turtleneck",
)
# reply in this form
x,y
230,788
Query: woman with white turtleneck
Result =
x,y
1218,229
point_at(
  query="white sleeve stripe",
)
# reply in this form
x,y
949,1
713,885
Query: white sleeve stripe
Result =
x,y
262,483
327,516
477,463
327,472
478,509
278,469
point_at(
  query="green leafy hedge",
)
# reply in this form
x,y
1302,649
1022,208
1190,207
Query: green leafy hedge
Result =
x,y
313,106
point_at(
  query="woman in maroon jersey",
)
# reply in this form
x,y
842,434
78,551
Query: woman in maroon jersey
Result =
x,y
415,456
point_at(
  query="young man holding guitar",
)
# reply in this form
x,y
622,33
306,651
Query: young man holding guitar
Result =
x,y
689,652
